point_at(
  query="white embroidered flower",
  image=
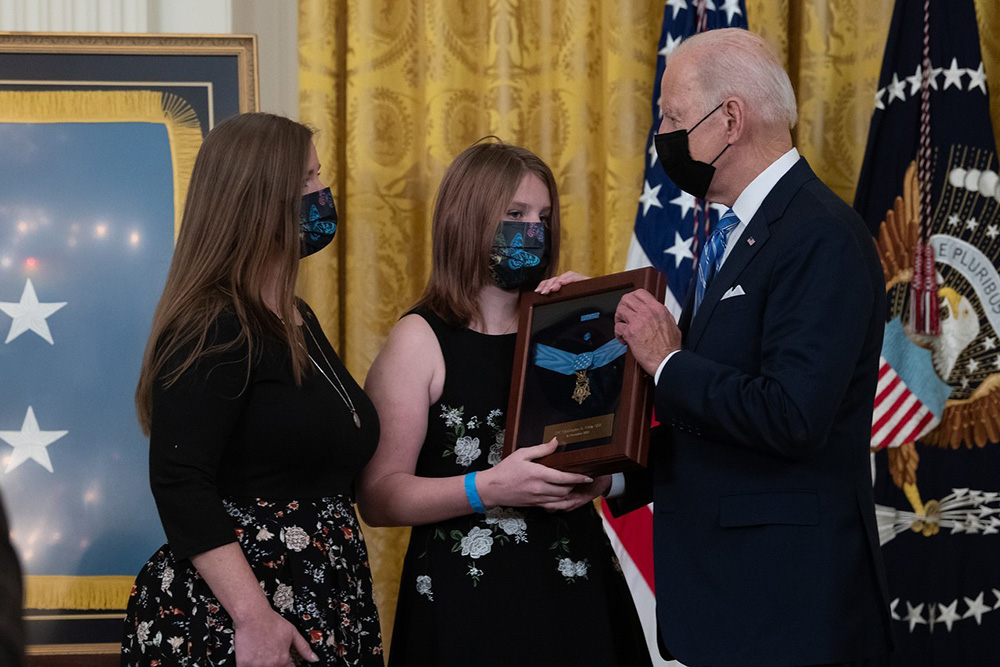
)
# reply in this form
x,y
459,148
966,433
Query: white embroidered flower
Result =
x,y
176,643
167,579
424,586
142,632
452,416
157,639
568,568
283,597
473,423
296,539
467,450
477,543
474,571
510,522
491,418
496,453
581,568
264,534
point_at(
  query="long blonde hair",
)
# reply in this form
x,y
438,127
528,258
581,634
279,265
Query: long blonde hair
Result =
x,y
239,233
475,192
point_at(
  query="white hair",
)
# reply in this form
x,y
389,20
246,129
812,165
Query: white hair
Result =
x,y
737,62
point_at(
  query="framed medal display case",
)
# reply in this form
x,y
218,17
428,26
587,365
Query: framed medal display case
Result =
x,y
573,381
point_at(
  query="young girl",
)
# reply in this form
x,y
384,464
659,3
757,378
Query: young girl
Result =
x,y
508,562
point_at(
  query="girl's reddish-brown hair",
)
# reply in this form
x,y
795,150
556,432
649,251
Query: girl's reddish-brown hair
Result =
x,y
474,195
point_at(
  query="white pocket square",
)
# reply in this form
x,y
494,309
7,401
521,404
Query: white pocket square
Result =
x,y
736,290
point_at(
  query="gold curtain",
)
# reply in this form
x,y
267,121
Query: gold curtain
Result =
x,y
396,89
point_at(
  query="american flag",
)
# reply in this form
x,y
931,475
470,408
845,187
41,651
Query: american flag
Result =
x,y
910,399
670,228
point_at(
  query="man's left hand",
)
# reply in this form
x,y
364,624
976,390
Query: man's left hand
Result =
x,y
647,327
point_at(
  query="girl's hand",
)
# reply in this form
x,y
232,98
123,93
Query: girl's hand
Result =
x,y
555,283
518,481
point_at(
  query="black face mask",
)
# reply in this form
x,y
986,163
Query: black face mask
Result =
x,y
520,255
688,174
317,222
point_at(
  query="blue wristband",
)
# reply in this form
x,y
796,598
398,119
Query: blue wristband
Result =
x,y
472,494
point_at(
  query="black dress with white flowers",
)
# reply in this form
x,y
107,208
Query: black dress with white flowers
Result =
x,y
517,586
240,453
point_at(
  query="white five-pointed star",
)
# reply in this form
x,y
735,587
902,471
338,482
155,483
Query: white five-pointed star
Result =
x,y
671,44
992,231
892,609
914,615
953,75
685,201
652,153
731,7
976,608
972,224
947,614
915,80
896,88
878,98
973,365
649,197
29,314
953,220
989,343
977,78
677,5
30,443
681,249
964,382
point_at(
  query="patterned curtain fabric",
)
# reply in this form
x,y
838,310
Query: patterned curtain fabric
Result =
x,y
397,89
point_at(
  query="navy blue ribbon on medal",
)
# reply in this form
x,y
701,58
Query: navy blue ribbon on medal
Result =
x,y
567,363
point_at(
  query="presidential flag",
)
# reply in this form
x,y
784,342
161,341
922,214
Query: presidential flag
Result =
x,y
929,190
670,229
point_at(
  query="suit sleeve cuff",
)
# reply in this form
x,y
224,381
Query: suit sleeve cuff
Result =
x,y
659,369
617,488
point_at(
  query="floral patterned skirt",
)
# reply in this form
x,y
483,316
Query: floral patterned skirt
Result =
x,y
311,562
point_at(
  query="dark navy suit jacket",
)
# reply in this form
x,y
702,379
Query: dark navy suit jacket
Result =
x,y
766,549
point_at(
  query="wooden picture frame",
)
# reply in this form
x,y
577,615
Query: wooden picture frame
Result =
x,y
98,85
572,380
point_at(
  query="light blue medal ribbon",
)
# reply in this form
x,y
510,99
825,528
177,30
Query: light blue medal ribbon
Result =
x,y
567,363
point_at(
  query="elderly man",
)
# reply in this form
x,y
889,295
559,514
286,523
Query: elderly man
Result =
x,y
765,542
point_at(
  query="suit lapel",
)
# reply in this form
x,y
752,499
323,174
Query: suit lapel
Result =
x,y
771,209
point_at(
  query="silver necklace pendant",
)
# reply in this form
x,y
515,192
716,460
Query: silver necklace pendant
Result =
x,y
357,419
341,390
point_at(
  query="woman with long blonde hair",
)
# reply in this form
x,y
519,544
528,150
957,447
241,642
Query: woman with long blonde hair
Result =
x,y
256,429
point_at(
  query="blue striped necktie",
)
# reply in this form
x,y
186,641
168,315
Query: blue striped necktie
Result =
x,y
711,258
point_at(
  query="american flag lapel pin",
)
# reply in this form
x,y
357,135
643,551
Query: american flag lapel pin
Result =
x,y
750,241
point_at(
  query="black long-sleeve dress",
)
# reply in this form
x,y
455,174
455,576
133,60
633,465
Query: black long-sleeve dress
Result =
x,y
518,585
249,457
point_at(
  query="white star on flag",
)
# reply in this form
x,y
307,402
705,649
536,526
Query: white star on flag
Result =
x,y
649,197
973,365
652,153
29,314
677,5
670,45
948,615
897,89
976,608
685,201
992,231
915,80
953,75
878,98
989,343
953,220
681,249
914,615
977,78
30,443
731,7
972,223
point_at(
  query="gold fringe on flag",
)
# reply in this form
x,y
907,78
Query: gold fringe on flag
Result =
x,y
67,592
116,106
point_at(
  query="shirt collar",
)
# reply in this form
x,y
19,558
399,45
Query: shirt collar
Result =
x,y
753,196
